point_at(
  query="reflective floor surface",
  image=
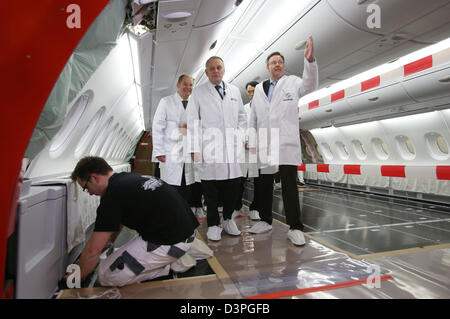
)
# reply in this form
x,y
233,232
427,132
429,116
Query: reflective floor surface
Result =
x,y
357,246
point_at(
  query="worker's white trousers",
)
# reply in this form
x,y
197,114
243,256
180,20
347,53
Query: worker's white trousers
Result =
x,y
138,261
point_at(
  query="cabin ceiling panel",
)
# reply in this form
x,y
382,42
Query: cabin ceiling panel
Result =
x,y
167,59
336,70
329,47
393,14
197,49
434,27
213,11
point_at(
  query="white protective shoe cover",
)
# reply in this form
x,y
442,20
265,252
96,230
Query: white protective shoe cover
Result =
x,y
230,227
260,227
214,233
296,237
254,215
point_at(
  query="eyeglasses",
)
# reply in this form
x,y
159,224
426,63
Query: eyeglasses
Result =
x,y
85,185
280,62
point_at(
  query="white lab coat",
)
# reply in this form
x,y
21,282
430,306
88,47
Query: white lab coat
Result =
x,y
250,166
279,118
168,141
209,119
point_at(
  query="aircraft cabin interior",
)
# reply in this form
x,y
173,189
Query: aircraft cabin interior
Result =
x,y
85,78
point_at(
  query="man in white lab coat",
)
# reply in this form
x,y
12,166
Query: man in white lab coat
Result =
x,y
216,125
169,138
275,117
249,167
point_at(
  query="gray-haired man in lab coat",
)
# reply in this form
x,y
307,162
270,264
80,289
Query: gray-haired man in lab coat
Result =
x,y
275,113
215,114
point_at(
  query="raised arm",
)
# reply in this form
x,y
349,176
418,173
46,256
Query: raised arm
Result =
x,y
310,81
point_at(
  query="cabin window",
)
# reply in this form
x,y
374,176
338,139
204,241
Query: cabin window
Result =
x,y
359,150
437,146
405,147
126,147
120,144
115,143
89,133
317,147
326,151
65,134
380,149
442,145
101,137
109,141
342,150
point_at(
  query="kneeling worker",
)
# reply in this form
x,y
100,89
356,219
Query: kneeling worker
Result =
x,y
163,220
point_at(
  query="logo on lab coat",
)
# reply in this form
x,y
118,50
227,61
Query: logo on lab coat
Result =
x,y
288,97
152,183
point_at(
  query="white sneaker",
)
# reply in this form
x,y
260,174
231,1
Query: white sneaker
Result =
x,y
296,237
254,215
230,227
199,213
214,233
260,227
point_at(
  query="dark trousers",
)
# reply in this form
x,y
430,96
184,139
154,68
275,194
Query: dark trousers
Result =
x,y
254,205
184,190
157,171
289,191
229,192
196,195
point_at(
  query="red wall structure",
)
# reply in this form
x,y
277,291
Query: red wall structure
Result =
x,y
38,38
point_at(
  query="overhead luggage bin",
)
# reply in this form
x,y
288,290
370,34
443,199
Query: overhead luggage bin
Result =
x,y
333,111
307,118
380,98
429,84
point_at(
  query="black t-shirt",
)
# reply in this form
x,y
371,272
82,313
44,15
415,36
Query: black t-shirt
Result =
x,y
148,205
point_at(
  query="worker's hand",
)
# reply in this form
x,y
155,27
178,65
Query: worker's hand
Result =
x,y
161,158
309,51
246,145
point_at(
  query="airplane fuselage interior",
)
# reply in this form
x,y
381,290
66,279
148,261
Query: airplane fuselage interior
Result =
x,y
359,112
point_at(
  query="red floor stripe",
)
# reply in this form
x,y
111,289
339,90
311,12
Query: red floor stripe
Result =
x,y
297,292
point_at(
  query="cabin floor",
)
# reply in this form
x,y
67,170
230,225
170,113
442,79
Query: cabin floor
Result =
x,y
358,246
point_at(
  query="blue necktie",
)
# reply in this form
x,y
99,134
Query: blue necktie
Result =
x,y
271,87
